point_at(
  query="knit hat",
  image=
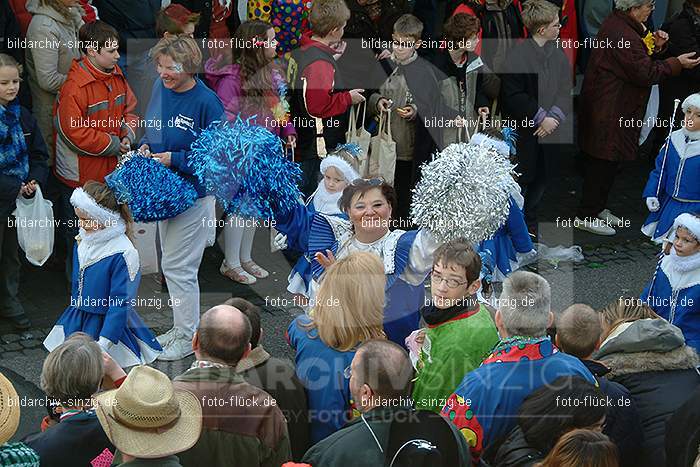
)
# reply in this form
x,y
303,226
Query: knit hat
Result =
x,y
690,222
18,455
9,409
692,100
147,418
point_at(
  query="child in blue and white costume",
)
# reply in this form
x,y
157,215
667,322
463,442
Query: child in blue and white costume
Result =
x,y
674,185
105,281
674,291
339,169
511,246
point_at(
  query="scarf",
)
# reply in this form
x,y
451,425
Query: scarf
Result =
x,y
14,157
682,264
18,455
434,316
517,348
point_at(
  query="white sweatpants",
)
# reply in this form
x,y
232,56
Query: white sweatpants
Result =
x,y
183,239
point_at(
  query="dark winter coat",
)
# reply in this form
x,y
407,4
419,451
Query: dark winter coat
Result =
x,y
278,378
38,165
359,67
616,89
622,423
204,8
683,433
134,19
649,357
684,36
536,84
516,451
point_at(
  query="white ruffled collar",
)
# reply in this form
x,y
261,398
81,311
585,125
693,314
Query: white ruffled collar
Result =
x,y
95,246
682,264
325,202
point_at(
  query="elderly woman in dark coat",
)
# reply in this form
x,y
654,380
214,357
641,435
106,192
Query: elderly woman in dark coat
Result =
x,y
614,97
683,36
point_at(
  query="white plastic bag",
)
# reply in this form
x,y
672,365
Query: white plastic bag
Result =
x,y
559,253
34,220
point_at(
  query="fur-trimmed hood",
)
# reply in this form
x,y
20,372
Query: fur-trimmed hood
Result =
x,y
646,345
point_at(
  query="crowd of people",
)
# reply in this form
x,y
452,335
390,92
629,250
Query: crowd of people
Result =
x,y
385,372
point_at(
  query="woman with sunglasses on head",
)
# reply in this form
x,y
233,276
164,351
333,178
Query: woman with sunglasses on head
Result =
x,y
407,256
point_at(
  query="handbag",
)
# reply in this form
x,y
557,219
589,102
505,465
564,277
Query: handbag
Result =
x,y
359,136
382,156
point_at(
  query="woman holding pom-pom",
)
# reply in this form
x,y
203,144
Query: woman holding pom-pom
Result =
x,y
674,185
184,106
407,256
249,84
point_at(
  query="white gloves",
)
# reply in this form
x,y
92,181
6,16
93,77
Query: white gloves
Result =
x,y
653,204
280,241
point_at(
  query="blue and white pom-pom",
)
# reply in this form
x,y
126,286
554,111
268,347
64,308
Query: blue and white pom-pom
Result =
x,y
464,192
152,191
244,167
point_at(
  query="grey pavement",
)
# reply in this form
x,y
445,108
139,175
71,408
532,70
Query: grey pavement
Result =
x,y
613,266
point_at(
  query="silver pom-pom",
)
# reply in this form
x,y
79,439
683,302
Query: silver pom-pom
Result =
x,y
464,193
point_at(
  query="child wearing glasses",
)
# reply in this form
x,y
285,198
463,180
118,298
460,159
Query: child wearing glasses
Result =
x,y
338,169
458,331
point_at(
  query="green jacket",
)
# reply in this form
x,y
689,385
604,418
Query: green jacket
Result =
x,y
451,350
354,444
240,422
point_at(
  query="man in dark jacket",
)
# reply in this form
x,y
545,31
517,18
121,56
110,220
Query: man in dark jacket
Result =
x,y
578,334
380,380
240,421
10,186
276,377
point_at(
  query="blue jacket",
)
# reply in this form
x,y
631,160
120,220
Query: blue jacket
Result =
x,y
681,176
485,405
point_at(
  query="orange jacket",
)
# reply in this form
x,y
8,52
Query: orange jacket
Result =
x,y
93,112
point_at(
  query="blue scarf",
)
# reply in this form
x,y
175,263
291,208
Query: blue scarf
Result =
x,y
14,158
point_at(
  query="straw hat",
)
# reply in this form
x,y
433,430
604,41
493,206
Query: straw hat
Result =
x,y
146,417
9,410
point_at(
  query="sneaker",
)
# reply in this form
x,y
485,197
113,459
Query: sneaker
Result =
x,y
164,339
610,218
237,274
596,226
179,347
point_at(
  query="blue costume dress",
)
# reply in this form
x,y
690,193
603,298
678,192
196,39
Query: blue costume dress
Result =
x,y
511,246
325,203
680,185
674,294
104,289
407,258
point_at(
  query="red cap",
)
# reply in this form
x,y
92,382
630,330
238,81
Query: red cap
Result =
x,y
178,13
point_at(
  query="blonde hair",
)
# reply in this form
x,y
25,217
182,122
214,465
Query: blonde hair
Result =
x,y
349,306
538,13
408,26
9,60
72,371
624,310
327,15
181,49
103,196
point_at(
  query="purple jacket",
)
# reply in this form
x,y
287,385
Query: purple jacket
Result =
x,y
226,82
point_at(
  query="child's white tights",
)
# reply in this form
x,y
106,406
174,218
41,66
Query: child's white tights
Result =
x,y
238,234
